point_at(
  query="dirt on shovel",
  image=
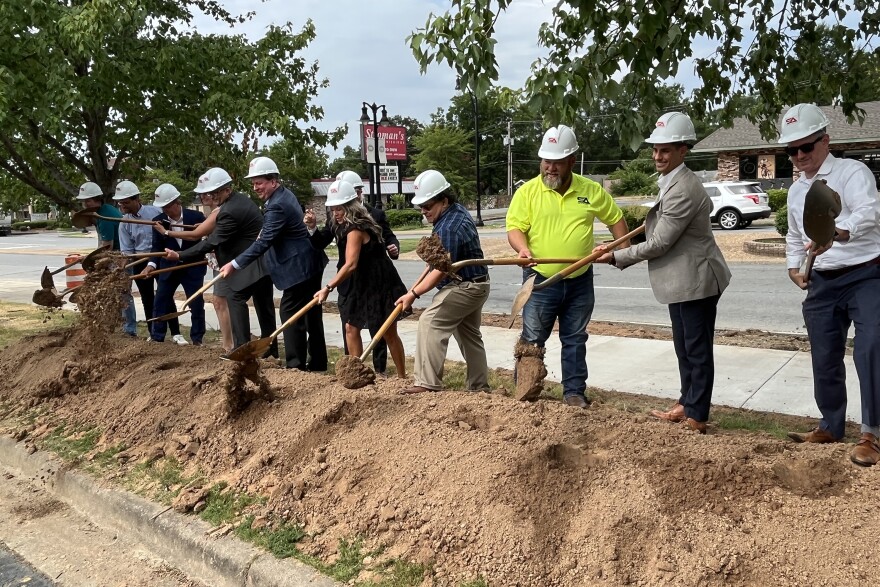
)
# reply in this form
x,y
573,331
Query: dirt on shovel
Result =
x,y
530,370
352,373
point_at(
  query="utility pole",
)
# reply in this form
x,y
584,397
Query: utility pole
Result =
x,y
508,140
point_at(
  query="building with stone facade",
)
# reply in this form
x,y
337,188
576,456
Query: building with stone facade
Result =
x,y
744,155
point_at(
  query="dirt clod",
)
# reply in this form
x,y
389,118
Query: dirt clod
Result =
x,y
530,370
431,251
352,373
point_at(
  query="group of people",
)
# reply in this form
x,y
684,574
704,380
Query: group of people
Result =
x,y
551,216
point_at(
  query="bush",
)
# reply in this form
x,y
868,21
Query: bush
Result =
x,y
632,182
27,224
397,202
406,217
51,225
635,217
777,199
782,220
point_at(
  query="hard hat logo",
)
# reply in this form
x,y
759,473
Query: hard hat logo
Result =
x,y
791,120
552,140
661,124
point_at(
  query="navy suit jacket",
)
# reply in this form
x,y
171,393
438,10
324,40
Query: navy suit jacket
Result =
x,y
289,257
162,242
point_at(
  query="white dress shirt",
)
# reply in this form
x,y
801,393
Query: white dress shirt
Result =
x,y
859,214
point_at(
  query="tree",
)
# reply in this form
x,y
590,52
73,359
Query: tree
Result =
x,y
99,90
450,151
352,160
600,49
636,178
299,164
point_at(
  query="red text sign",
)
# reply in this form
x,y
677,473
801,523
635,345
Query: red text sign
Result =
x,y
395,140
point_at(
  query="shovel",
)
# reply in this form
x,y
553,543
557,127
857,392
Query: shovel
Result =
x,y
86,218
188,300
821,207
253,350
46,278
523,295
351,370
508,261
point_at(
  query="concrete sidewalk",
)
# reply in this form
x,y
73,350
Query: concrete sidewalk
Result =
x,y
755,379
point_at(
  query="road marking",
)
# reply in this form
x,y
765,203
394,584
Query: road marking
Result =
x,y
18,247
621,287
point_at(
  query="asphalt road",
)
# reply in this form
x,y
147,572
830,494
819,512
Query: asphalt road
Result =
x,y
15,571
759,296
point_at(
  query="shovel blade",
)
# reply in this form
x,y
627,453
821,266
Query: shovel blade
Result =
x,y
82,219
46,281
166,317
250,351
522,296
48,298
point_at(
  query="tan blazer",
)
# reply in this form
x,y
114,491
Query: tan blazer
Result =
x,y
684,262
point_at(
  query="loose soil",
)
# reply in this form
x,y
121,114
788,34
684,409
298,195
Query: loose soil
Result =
x,y
472,484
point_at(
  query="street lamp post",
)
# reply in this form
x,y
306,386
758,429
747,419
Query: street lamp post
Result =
x,y
479,221
375,194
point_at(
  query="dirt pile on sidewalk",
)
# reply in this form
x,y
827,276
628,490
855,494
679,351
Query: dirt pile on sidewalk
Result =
x,y
474,484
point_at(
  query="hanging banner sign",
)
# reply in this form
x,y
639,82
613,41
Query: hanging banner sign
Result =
x,y
395,141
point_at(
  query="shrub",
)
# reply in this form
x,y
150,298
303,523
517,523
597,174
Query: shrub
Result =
x,y
635,217
21,225
51,225
397,202
405,217
632,182
782,220
777,199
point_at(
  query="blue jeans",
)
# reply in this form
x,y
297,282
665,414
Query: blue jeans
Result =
x,y
570,301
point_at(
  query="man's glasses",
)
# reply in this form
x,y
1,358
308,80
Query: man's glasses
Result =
x,y
805,148
427,206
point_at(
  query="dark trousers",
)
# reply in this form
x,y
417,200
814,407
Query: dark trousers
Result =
x,y
145,288
304,344
164,304
830,307
380,351
693,329
262,293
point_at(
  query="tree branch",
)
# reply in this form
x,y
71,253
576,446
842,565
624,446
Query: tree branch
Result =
x,y
66,153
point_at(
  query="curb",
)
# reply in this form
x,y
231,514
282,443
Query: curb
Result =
x,y
180,540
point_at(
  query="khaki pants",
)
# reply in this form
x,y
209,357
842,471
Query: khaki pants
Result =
x,y
456,310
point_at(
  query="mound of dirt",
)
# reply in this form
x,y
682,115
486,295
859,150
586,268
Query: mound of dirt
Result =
x,y
474,484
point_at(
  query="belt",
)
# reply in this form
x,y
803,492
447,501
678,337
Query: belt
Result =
x,y
835,273
477,279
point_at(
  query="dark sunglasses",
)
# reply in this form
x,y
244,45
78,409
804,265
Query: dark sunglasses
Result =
x,y
427,206
805,148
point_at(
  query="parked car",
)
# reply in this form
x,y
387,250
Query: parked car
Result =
x,y
5,225
735,204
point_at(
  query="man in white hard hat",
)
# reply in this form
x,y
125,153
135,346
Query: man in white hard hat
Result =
x,y
322,238
172,218
845,281
136,238
91,197
457,306
552,216
292,263
685,265
238,224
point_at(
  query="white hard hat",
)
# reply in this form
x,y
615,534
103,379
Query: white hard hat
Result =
x,y
165,194
558,143
673,127
261,166
89,190
126,189
340,192
212,180
428,185
351,177
801,121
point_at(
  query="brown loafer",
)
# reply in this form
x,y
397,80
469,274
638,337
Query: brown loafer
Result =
x,y
576,401
818,436
867,451
414,390
676,414
692,424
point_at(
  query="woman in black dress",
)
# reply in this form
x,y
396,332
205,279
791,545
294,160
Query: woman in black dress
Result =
x,y
375,284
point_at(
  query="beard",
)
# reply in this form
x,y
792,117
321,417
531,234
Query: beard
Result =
x,y
552,181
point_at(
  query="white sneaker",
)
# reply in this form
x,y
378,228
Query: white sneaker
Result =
x,y
178,338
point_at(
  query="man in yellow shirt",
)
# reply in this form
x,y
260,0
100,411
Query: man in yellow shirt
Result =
x,y
552,216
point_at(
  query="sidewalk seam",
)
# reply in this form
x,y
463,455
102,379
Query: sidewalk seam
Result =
x,y
767,380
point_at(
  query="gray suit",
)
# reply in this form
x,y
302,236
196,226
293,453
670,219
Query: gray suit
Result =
x,y
688,272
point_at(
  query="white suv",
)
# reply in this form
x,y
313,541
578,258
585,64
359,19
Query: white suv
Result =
x,y
736,203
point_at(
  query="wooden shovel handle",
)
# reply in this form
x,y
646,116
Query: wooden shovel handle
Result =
x,y
302,312
145,255
134,221
200,291
589,258
811,258
167,269
390,320
510,261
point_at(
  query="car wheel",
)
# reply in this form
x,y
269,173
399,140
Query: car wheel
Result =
x,y
729,220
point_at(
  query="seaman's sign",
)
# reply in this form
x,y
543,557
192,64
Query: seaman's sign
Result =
x,y
395,140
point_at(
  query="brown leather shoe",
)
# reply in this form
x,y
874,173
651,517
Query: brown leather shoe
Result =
x,y
867,451
817,435
576,401
414,390
676,414
692,424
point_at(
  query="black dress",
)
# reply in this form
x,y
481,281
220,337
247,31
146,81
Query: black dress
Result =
x,y
373,287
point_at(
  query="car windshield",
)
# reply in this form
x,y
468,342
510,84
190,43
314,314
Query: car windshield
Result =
x,y
751,188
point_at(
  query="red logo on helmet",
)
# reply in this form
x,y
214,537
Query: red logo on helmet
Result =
x,y
551,140
334,191
660,124
416,186
791,120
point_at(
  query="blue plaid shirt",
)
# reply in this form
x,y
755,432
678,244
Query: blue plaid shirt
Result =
x,y
138,238
459,236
